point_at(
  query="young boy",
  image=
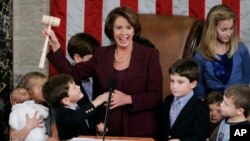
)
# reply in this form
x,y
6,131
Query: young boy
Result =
x,y
23,106
81,48
185,116
63,94
235,107
214,100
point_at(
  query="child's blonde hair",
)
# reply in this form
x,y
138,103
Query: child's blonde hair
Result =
x,y
208,40
32,79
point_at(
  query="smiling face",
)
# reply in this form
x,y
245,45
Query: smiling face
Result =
x,y
180,86
123,32
225,30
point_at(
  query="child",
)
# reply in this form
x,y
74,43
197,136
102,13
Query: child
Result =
x,y
81,48
33,82
22,106
214,100
235,107
63,94
223,58
185,116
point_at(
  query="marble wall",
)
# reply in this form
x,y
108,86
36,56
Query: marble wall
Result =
x,y
6,50
6,61
27,36
21,43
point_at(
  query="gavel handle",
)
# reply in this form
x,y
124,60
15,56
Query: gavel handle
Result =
x,y
44,52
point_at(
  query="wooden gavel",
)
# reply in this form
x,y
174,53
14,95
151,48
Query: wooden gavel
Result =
x,y
50,21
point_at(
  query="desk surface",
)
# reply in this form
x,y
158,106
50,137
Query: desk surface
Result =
x,y
119,138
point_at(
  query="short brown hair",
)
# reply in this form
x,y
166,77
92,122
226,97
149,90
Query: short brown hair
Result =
x,y
82,44
241,97
214,97
56,88
128,14
187,68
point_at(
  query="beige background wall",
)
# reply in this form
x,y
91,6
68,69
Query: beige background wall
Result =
x,y
27,36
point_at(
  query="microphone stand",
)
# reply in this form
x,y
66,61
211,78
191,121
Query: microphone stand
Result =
x,y
107,114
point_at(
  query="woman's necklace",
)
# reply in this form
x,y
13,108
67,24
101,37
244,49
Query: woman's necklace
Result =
x,y
121,60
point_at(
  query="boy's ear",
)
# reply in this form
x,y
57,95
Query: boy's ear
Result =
x,y
193,84
240,111
65,101
77,58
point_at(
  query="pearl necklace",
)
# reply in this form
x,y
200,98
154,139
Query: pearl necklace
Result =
x,y
121,60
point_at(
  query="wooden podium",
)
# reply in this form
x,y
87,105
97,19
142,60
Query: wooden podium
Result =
x,y
113,138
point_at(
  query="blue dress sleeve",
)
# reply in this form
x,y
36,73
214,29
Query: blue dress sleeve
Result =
x,y
199,91
245,63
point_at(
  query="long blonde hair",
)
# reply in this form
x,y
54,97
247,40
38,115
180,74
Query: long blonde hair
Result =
x,y
208,40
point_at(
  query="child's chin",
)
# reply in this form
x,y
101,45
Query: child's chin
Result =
x,y
214,121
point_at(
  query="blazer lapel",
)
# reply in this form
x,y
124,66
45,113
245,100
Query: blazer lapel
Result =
x,y
136,64
167,108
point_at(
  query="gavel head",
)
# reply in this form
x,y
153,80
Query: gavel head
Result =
x,y
50,20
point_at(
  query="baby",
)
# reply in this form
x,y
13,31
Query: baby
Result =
x,y
23,107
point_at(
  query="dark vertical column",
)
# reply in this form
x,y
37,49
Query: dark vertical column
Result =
x,y
6,61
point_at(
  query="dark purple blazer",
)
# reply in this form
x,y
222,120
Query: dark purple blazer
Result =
x,y
143,82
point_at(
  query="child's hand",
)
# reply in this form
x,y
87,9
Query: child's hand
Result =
x,y
53,42
100,99
100,128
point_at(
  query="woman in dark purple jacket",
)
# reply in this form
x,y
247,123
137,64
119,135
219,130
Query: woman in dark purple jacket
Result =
x,y
135,69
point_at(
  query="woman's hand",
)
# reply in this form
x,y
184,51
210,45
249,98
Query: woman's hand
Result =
x,y
119,98
53,42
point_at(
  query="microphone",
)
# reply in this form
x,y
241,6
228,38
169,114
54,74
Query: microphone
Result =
x,y
111,89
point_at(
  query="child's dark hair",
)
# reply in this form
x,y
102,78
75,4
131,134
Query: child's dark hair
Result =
x,y
187,68
82,44
214,97
241,97
56,88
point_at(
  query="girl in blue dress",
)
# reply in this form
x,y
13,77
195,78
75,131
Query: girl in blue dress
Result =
x,y
223,58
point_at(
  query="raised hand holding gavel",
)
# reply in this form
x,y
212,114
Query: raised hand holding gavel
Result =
x,y
50,21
